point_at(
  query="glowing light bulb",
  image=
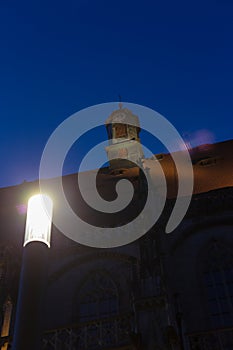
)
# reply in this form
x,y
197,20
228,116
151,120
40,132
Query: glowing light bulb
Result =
x,y
39,219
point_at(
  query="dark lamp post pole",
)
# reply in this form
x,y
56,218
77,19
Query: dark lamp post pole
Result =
x,y
27,331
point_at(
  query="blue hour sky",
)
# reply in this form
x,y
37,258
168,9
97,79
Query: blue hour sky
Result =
x,y
58,57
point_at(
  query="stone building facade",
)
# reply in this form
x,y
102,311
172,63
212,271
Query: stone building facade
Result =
x,y
162,291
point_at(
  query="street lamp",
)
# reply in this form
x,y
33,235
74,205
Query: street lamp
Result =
x,y
39,219
27,331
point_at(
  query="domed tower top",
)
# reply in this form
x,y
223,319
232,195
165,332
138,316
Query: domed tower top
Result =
x,y
121,125
123,130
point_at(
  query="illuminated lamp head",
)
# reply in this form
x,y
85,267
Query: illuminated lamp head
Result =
x,y
39,219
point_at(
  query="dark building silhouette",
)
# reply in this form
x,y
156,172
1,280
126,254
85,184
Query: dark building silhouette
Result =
x,y
163,291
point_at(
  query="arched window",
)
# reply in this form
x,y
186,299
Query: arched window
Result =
x,y
3,264
7,308
98,297
218,280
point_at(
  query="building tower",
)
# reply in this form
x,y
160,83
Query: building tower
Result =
x,y
125,149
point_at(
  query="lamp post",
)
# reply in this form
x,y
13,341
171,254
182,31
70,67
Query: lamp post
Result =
x,y
27,331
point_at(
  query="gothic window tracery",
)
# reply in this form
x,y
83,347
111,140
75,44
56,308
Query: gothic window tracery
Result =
x,y
218,281
98,297
99,323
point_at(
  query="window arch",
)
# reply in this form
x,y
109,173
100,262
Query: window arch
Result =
x,y
98,297
3,264
218,281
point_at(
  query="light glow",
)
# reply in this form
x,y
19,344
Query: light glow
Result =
x,y
39,219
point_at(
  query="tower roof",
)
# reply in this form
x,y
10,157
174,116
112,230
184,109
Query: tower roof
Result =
x,y
124,116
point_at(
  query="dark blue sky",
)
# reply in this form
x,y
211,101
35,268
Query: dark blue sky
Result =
x,y
58,57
